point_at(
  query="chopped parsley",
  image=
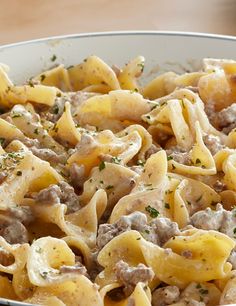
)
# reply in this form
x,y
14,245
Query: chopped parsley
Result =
x,y
234,230
169,157
55,109
109,187
199,199
148,117
16,115
167,205
141,65
115,160
152,211
19,173
198,286
53,58
42,77
173,167
44,274
140,163
203,291
102,166
198,161
2,140
36,131
147,231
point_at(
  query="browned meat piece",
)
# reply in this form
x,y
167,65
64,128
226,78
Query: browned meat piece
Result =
x,y
165,229
179,155
3,176
219,186
152,150
131,276
158,231
21,213
227,117
61,193
77,175
48,155
213,143
165,296
78,268
220,220
13,231
6,259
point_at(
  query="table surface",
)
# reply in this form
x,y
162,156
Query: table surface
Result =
x,y
27,19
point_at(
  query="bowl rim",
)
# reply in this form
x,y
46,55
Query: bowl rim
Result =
x,y
119,33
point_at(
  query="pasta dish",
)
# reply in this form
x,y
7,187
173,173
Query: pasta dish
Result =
x,y
116,193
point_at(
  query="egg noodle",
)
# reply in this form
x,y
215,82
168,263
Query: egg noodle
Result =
x,y
113,193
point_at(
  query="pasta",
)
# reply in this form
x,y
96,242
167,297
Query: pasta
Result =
x,y
117,194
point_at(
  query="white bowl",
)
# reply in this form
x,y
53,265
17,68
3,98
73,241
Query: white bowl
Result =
x,y
163,51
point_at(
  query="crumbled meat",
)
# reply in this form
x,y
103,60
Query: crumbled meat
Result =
x,y
6,259
77,175
179,155
219,186
165,229
158,231
48,155
29,142
213,143
135,221
13,231
152,150
229,128
227,116
220,220
77,268
232,259
23,214
131,276
61,193
187,254
165,296
3,176
208,219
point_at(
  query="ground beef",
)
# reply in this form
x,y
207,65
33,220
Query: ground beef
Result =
x,y
129,277
6,259
23,214
179,155
219,220
165,229
227,117
29,142
106,232
152,150
77,268
77,175
13,231
219,186
158,231
61,193
165,296
48,155
213,143
3,176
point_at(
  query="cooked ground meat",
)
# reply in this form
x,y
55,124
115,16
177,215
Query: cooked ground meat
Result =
x,y
61,193
129,277
135,221
3,176
29,142
6,259
213,143
165,229
77,175
165,296
227,116
158,231
13,231
77,268
179,155
220,220
48,155
219,186
23,214
152,150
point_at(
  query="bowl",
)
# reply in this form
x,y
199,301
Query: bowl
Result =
x,y
176,51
